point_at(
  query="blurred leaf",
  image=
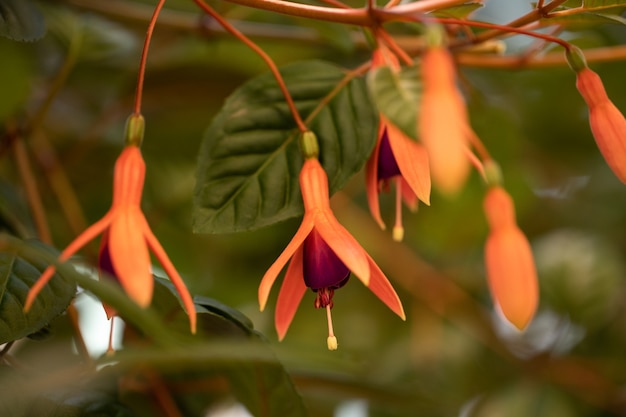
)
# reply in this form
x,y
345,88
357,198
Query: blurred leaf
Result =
x,y
266,390
522,400
250,159
14,213
459,12
93,38
15,79
20,20
78,403
214,318
337,35
397,95
586,20
602,3
16,277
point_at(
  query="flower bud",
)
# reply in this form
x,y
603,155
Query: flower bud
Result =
x,y
511,271
608,124
442,125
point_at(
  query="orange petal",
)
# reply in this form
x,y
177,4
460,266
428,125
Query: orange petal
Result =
x,y
381,287
273,271
172,273
412,159
512,275
81,240
130,256
343,244
128,178
371,181
609,130
291,292
314,185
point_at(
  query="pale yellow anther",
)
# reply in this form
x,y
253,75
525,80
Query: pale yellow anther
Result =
x,y
398,233
332,343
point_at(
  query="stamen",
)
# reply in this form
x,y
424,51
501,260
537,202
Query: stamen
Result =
x,y
398,229
332,340
110,349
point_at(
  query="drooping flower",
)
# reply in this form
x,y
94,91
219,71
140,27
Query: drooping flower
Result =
x,y
511,271
322,253
126,240
443,121
608,124
399,159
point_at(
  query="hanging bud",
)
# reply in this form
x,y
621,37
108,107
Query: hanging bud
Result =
x,y
442,121
509,261
608,124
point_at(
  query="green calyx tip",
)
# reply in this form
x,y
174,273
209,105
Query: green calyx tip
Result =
x,y
576,58
493,173
435,36
135,126
310,146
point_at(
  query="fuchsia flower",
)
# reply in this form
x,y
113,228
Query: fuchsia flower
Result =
x,y
125,241
397,158
322,253
509,260
443,121
607,122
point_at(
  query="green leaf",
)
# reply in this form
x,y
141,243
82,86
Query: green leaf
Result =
x,y
397,95
582,21
79,403
16,80
459,12
214,318
250,159
14,214
591,4
266,390
90,37
16,277
21,21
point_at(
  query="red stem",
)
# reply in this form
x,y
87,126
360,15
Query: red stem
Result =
x,y
144,57
270,63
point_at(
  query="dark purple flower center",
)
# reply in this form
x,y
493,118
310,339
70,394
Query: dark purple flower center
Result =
x,y
105,264
323,270
387,165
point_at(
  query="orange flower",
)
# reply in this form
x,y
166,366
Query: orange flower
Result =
x,y
607,122
442,122
510,266
397,157
125,241
322,253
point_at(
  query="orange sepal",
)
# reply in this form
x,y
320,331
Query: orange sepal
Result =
x,y
172,273
291,292
272,273
382,288
371,181
412,160
129,255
